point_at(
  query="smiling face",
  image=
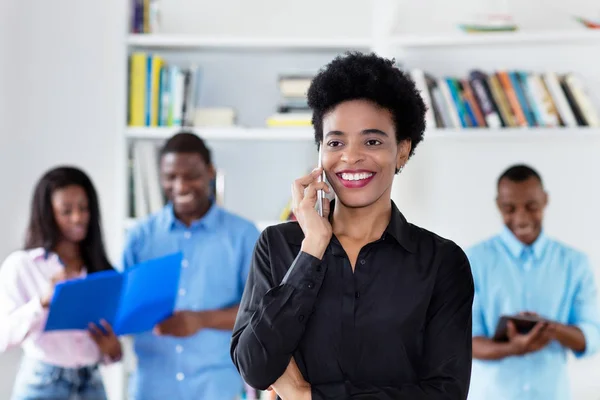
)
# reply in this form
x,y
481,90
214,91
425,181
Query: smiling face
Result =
x,y
185,179
360,152
71,212
522,207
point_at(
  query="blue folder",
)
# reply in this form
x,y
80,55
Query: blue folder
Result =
x,y
133,301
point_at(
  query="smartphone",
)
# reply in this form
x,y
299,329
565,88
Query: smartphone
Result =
x,y
321,179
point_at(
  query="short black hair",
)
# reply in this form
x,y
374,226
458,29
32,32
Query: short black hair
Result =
x,y
43,231
187,142
520,173
354,76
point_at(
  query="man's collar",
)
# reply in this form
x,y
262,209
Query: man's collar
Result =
x,y
210,220
516,247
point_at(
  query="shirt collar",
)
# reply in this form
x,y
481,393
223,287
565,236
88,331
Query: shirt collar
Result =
x,y
211,220
517,248
398,228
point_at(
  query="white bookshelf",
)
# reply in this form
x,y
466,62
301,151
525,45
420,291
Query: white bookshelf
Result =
x,y
228,133
306,134
191,42
517,38
426,176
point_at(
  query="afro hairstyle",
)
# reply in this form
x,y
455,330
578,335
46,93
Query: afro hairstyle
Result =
x,y
354,76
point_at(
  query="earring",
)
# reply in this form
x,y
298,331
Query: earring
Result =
x,y
400,168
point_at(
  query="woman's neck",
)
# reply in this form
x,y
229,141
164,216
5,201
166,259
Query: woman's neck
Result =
x,y
362,224
70,255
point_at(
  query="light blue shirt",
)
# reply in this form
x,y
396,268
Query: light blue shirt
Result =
x,y
217,251
548,278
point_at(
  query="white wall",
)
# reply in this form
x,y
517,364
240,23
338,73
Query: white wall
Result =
x,y
60,89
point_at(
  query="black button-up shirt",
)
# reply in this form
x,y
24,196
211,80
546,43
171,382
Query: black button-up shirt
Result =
x,y
398,327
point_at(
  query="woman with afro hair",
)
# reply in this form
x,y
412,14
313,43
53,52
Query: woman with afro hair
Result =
x,y
357,303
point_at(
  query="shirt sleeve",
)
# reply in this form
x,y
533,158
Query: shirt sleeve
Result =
x,y
130,250
20,315
249,242
445,369
272,316
584,312
479,328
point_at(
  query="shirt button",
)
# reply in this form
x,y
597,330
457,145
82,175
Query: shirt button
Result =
x,y
182,292
180,376
187,234
301,318
357,295
179,348
362,262
185,263
311,285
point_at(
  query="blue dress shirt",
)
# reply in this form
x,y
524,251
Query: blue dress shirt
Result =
x,y
548,278
217,250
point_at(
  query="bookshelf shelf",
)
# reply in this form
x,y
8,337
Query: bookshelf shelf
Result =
x,y
175,41
306,134
497,38
233,133
513,134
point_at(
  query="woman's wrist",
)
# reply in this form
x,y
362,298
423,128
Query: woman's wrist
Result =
x,y
314,246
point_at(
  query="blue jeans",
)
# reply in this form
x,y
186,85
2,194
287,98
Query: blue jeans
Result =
x,y
40,381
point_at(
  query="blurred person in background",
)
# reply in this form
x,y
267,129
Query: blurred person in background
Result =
x,y
64,241
524,271
187,356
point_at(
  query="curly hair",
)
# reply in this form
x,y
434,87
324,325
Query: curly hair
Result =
x,y
354,76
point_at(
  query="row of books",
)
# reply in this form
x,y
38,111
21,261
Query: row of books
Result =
x,y
292,110
161,94
506,98
143,16
250,393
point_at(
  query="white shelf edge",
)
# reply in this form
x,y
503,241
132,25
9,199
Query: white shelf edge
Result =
x,y
307,133
179,41
511,133
229,133
490,38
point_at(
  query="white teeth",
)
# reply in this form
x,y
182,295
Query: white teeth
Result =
x,y
356,177
184,199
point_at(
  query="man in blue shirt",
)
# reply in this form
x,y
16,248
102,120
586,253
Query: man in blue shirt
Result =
x,y
523,271
187,356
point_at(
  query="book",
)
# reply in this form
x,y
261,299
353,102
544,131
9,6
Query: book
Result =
x,y
132,301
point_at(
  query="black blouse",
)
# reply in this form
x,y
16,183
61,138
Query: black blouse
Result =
x,y
399,327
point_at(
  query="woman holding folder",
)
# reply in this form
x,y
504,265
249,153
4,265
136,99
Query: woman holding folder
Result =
x,y
357,303
64,241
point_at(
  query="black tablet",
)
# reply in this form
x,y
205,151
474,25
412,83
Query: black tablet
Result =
x,y
523,324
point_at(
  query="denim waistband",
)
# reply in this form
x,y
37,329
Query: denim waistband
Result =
x,y
74,375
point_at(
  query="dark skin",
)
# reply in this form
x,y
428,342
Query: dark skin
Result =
x,y
359,137
72,216
185,179
522,206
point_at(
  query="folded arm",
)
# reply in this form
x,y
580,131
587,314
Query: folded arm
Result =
x,y
273,315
